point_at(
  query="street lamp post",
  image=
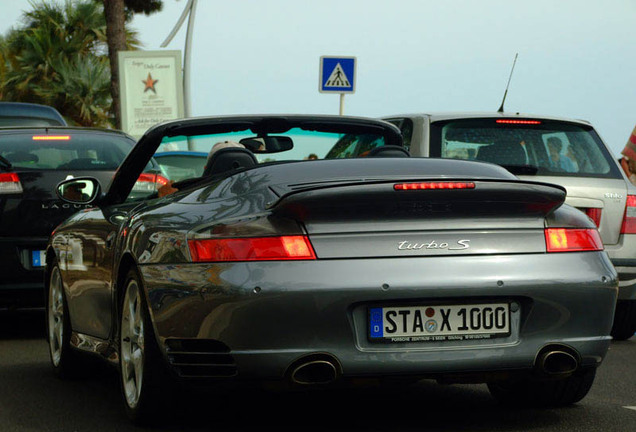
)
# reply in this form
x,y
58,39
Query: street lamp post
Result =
x,y
189,12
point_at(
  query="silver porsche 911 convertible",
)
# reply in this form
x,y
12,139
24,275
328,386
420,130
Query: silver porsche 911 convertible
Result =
x,y
313,251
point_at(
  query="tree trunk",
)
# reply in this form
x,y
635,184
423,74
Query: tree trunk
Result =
x,y
116,34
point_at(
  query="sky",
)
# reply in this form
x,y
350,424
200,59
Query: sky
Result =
x,y
576,58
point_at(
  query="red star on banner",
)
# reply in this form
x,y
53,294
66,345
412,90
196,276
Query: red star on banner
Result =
x,y
150,84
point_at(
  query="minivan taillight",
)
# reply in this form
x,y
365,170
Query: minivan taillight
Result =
x,y
296,247
629,220
572,240
10,183
595,215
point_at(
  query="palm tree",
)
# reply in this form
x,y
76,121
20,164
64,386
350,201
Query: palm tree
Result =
x,y
59,57
117,13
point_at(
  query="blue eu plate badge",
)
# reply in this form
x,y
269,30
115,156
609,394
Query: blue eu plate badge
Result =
x,y
37,258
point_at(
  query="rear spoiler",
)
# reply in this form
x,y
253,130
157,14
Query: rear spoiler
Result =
x,y
380,200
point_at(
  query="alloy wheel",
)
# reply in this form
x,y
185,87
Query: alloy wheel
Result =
x,y
132,344
56,316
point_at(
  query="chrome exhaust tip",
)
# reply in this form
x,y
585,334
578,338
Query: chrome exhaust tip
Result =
x,y
557,362
314,372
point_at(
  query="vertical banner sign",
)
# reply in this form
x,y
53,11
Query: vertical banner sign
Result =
x,y
151,89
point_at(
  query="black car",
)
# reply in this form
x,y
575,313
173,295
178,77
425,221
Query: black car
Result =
x,y
32,162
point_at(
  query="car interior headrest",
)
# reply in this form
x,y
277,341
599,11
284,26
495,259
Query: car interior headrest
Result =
x,y
389,151
229,159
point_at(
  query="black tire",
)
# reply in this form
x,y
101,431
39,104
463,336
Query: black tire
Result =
x,y
144,385
66,362
544,392
624,320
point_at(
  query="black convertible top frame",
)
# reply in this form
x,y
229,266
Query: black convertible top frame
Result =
x,y
126,175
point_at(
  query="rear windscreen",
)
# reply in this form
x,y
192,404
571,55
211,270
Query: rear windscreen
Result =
x,y
79,151
525,146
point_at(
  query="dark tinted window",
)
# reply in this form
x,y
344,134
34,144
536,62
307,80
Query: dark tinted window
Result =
x,y
66,150
525,146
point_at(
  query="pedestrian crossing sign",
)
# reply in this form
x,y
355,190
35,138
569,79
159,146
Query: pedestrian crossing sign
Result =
x,y
337,74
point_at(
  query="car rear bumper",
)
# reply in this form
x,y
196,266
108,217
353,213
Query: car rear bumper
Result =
x,y
22,296
22,282
257,320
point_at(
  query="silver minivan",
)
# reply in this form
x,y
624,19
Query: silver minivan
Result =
x,y
547,149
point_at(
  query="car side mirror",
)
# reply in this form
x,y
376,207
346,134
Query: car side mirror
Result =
x,y
83,190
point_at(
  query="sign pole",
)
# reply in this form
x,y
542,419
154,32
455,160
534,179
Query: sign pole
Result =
x,y
342,103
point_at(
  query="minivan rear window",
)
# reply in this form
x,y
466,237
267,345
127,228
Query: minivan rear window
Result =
x,y
542,147
65,150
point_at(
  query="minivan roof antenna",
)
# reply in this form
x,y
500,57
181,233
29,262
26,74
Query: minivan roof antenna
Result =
x,y
501,108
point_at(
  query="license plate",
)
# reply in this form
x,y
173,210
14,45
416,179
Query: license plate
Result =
x,y
38,258
439,322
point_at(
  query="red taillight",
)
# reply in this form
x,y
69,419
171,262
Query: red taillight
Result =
x,y
10,183
523,122
148,182
51,137
595,215
434,185
251,249
629,220
572,240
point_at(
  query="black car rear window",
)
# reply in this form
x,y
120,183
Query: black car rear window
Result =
x,y
65,150
525,146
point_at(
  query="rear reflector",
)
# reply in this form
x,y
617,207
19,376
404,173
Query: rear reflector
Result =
x,y
523,122
572,240
51,137
10,183
629,220
251,249
434,185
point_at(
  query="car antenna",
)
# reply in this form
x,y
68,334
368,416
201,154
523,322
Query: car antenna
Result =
x,y
501,108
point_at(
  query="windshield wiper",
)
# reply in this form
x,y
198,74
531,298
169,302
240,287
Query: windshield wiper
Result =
x,y
5,162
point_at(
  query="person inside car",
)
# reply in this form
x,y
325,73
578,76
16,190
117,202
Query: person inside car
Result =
x,y
168,189
559,161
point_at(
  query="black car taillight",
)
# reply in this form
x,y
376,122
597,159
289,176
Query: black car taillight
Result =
x,y
10,183
629,220
572,240
295,247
